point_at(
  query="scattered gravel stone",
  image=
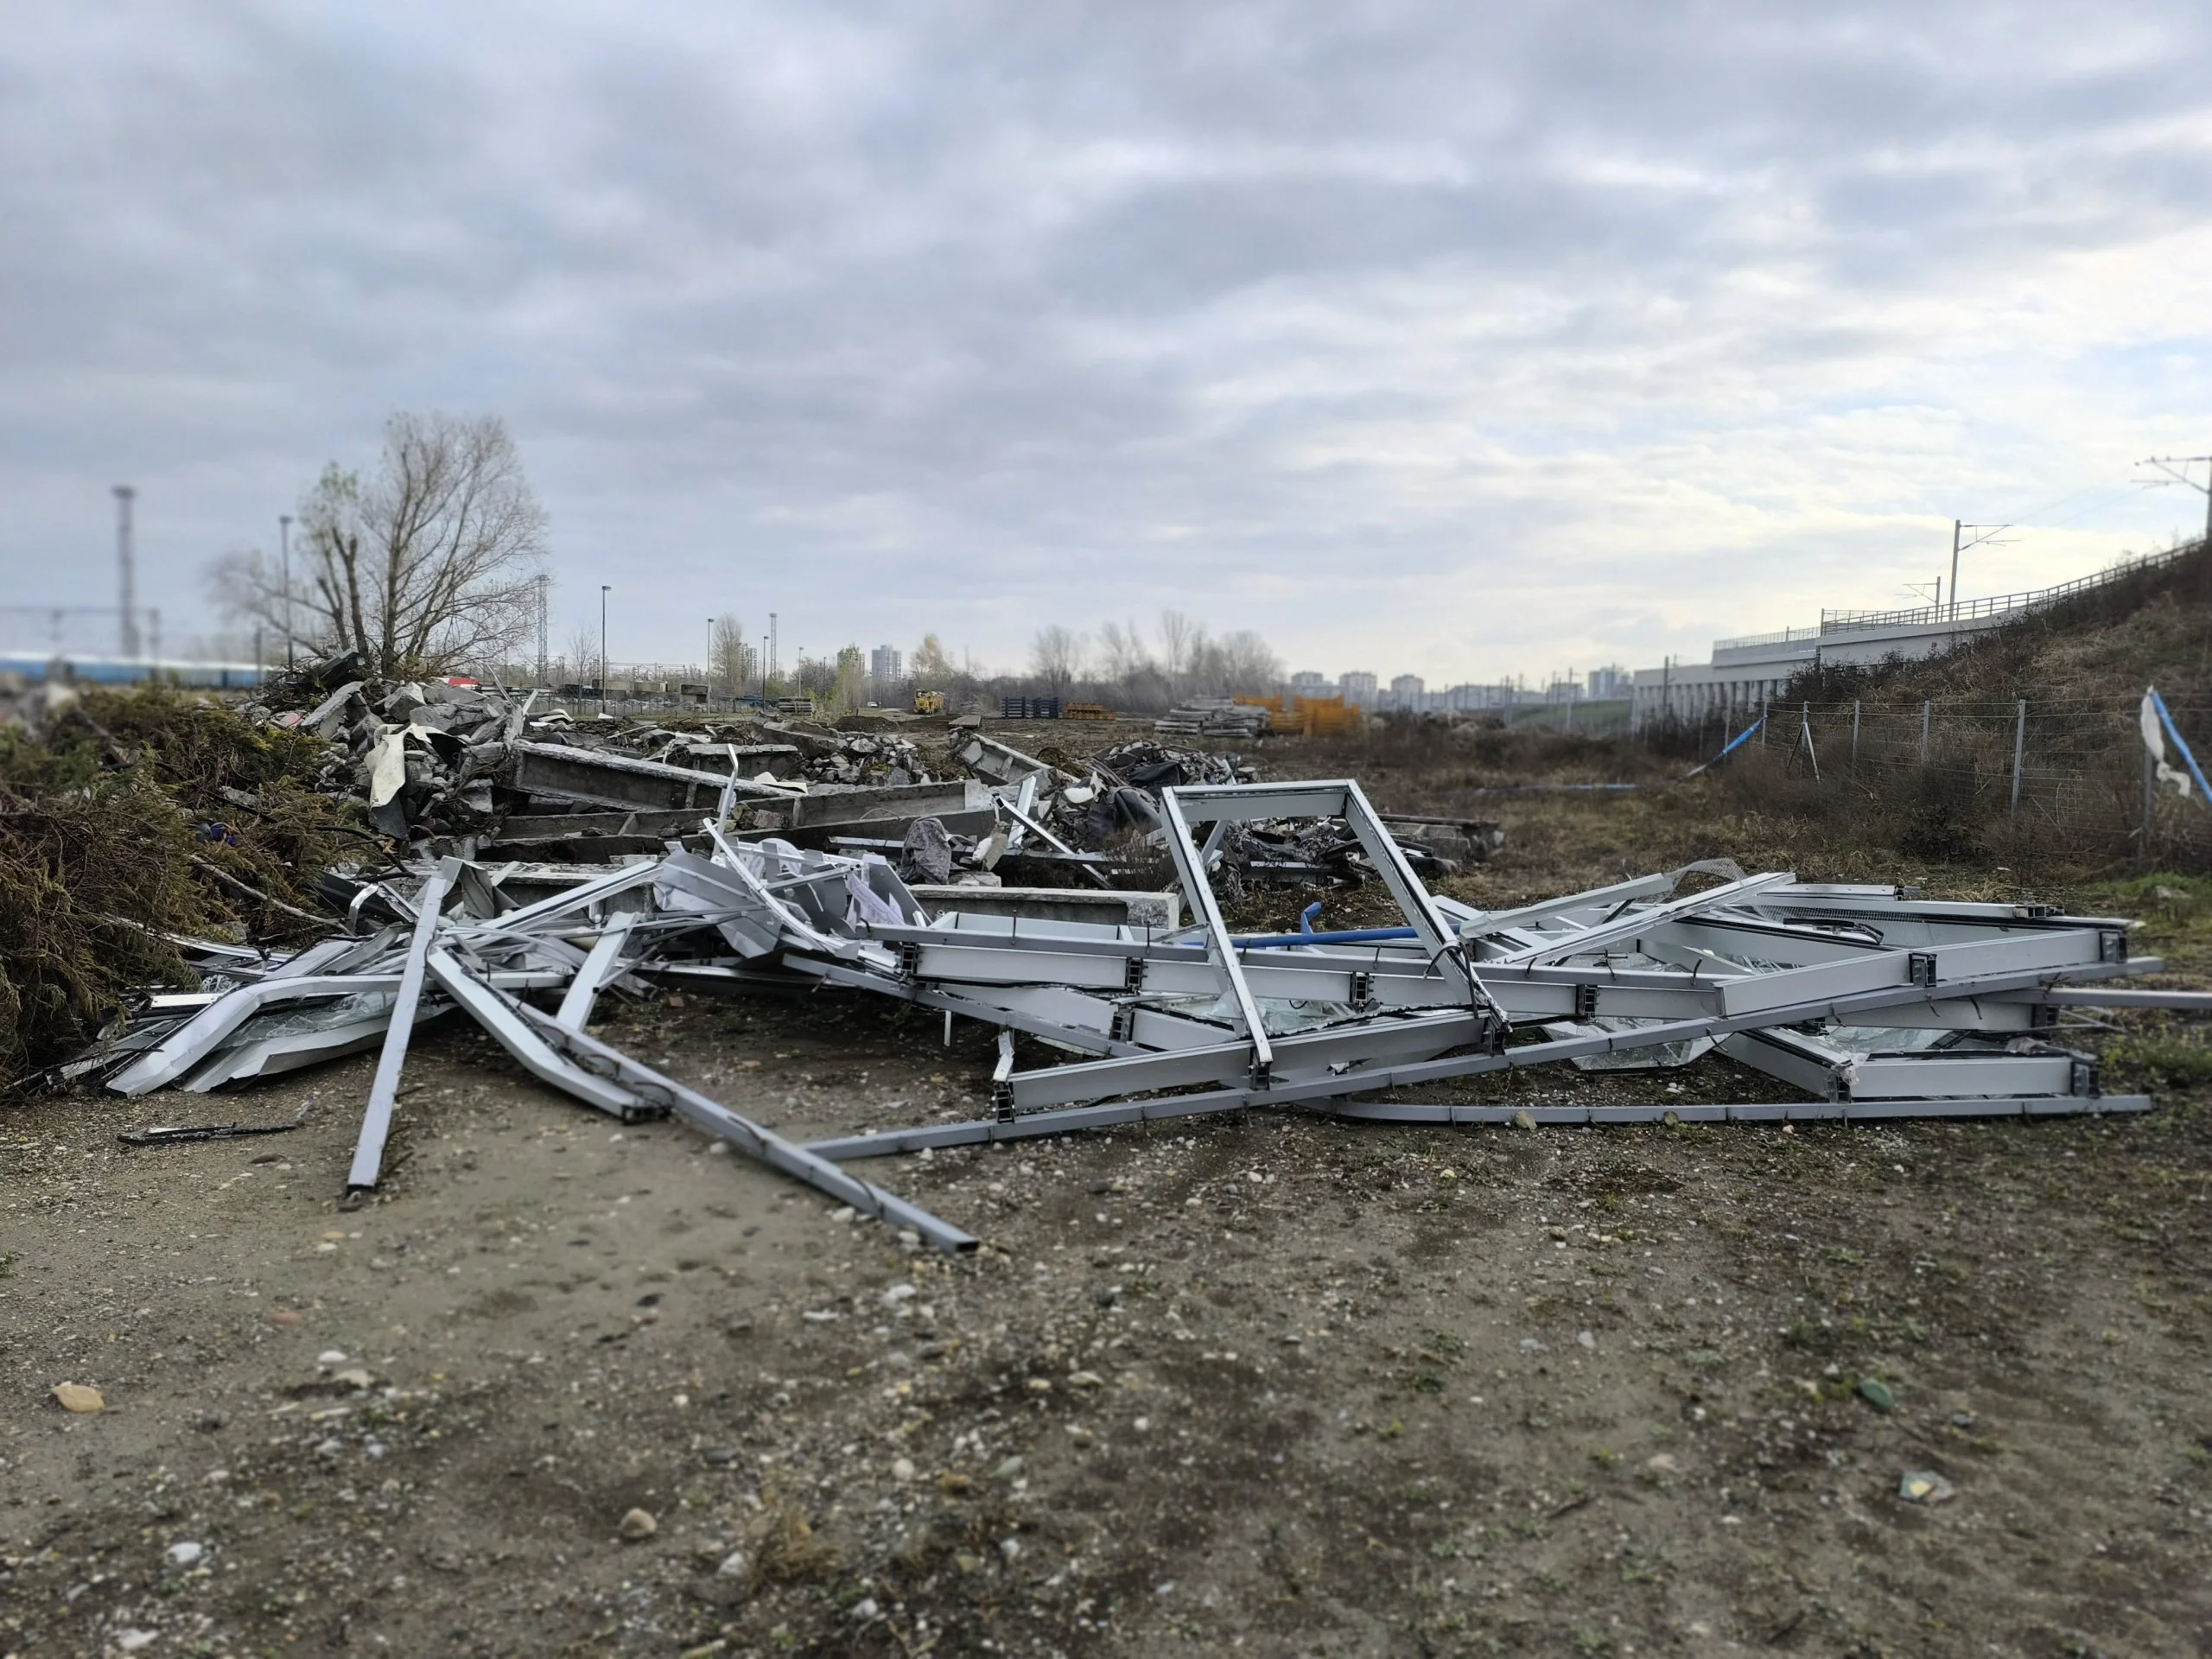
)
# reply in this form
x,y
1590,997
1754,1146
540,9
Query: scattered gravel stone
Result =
x,y
1926,1486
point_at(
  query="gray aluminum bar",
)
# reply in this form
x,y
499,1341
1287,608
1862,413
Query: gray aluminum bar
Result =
x,y
1888,977
1840,1009
598,966
621,879
983,1131
383,1089
196,1039
319,959
2075,996
1820,1068
1793,1111
1643,886
1290,1090
950,1002
265,1056
1024,797
1338,798
1810,896
750,1138
1433,1032
1583,941
501,1016
1946,963
883,1143
782,909
1036,828
1199,892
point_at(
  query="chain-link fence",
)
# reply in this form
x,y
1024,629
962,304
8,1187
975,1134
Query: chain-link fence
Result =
x,y
2058,777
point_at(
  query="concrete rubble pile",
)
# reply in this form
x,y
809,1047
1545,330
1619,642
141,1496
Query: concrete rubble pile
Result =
x,y
1862,1001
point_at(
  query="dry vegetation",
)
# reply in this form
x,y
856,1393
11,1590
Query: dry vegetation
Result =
x,y
139,814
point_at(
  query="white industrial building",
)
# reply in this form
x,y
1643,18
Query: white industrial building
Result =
x,y
1747,672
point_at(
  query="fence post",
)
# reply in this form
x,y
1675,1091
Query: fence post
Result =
x,y
1855,733
2020,749
1924,708
1762,714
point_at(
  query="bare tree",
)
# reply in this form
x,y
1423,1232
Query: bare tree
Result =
x,y
429,564
731,668
852,680
1248,664
1179,637
1056,655
931,667
582,654
1122,652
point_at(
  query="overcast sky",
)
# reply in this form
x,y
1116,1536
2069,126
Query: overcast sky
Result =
x,y
1457,339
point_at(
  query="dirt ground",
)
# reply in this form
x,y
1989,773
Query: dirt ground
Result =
x,y
1270,1384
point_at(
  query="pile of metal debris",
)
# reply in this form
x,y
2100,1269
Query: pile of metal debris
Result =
x,y
1868,1001
1214,717
454,768
438,761
1108,825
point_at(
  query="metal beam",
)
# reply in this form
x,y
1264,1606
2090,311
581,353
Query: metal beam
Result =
x,y
1219,947
751,1138
598,965
384,1087
502,1016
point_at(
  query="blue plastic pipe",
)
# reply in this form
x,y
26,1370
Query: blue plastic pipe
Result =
x,y
1351,935
1726,752
2167,720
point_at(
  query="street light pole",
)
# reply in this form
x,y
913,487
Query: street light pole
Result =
x,y
710,662
605,588
127,571
284,542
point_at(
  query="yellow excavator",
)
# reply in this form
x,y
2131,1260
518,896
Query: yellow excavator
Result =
x,y
929,702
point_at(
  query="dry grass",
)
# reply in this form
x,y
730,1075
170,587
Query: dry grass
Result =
x,y
783,1545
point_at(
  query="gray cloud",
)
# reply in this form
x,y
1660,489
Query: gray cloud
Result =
x,y
1462,340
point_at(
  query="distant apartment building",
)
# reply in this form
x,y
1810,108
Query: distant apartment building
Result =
x,y
886,666
1359,689
1468,698
1406,692
1610,682
1307,683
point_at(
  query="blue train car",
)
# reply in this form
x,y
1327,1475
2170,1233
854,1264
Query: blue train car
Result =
x,y
131,670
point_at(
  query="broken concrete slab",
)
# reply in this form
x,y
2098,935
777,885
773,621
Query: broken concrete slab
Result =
x,y
593,777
